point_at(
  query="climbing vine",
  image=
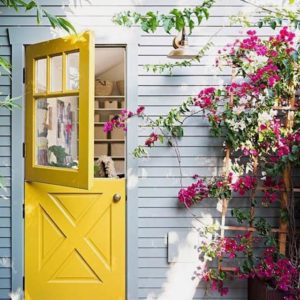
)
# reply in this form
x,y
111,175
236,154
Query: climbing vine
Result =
x,y
249,114
175,19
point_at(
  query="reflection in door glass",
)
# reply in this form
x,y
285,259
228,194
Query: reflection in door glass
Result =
x,y
73,71
57,132
41,75
56,73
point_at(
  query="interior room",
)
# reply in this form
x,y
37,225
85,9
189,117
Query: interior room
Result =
x,y
110,99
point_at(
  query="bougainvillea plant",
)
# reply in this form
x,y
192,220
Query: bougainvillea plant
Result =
x,y
250,113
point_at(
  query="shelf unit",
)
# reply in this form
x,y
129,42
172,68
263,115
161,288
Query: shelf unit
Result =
x,y
112,144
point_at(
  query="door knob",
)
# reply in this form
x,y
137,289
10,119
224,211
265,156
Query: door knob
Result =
x,y
117,197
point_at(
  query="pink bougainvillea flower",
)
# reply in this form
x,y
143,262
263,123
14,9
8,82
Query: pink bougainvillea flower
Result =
x,y
244,184
205,98
120,121
269,198
151,139
251,32
140,110
194,193
273,79
108,126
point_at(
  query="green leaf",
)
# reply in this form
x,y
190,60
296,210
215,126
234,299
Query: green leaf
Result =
x,y
5,65
168,24
139,152
191,25
175,12
59,22
161,139
53,21
39,15
295,149
179,23
30,5
145,27
206,13
295,56
66,25
177,131
273,24
10,103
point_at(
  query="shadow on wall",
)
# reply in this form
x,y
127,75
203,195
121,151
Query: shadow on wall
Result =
x,y
183,256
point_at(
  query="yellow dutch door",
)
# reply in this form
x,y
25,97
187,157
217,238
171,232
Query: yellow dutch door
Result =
x,y
74,231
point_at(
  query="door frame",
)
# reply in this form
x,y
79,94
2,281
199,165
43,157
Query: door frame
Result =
x,y
18,39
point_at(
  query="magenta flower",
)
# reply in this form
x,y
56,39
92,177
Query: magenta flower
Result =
x,y
140,110
244,184
108,126
194,193
151,139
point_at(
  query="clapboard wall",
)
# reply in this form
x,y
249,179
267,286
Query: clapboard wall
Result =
x,y
159,174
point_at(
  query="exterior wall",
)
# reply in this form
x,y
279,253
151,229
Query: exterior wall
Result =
x,y
159,175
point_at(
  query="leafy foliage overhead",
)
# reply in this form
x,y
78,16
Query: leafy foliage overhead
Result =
x,y
276,16
56,22
175,19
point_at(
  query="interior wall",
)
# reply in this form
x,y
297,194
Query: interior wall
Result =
x,y
114,74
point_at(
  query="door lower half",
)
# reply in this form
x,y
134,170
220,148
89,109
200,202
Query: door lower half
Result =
x,y
75,241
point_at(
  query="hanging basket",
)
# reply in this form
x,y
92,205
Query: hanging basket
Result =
x,y
103,87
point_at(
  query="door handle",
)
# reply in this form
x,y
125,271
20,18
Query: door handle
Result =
x,y
117,197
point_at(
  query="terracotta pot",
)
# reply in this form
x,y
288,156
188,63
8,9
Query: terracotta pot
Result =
x,y
259,290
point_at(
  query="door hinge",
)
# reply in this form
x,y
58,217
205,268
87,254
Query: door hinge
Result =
x,y
24,75
24,150
23,211
23,283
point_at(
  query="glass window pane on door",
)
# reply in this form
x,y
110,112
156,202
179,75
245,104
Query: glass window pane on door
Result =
x,y
73,71
57,132
56,73
41,75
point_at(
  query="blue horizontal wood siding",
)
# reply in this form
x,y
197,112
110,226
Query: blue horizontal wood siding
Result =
x,y
159,174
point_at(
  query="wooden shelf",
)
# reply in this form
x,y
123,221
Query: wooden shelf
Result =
x,y
113,157
109,140
110,97
108,109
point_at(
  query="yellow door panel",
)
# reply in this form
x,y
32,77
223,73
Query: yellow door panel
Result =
x,y
75,242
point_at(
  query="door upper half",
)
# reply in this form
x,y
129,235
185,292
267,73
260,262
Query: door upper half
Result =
x,y
60,111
